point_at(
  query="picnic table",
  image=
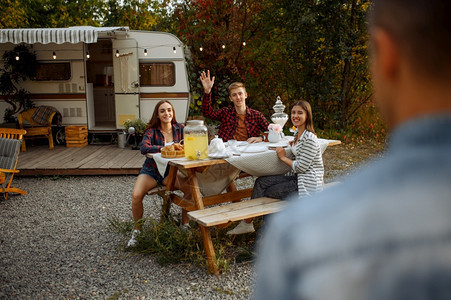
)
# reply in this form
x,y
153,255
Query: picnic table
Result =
x,y
212,182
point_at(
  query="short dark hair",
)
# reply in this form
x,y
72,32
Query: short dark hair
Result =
x,y
422,30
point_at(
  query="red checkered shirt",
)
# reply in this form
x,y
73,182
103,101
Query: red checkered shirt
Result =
x,y
255,121
153,141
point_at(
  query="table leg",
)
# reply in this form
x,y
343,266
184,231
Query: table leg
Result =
x,y
170,186
206,236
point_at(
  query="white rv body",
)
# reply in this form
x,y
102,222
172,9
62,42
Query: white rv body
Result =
x,y
126,74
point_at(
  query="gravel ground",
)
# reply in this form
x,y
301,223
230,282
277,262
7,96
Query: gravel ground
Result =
x,y
56,244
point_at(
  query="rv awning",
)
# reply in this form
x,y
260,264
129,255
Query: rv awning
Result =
x,y
73,35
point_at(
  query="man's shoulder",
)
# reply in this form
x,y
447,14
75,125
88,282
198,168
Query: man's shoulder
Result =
x,y
253,111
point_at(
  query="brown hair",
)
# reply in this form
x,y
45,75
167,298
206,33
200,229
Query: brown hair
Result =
x,y
155,121
236,85
421,28
308,109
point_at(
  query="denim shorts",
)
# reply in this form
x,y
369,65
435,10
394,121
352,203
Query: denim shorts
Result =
x,y
153,173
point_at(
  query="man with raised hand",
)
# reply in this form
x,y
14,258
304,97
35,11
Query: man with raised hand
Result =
x,y
239,123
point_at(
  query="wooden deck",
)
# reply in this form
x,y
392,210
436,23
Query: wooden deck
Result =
x,y
89,160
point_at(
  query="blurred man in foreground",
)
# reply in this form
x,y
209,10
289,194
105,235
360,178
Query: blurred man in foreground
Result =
x,y
384,233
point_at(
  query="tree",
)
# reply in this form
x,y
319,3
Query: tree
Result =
x,y
13,73
320,55
315,50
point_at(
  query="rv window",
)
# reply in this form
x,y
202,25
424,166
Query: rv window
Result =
x,y
157,74
53,71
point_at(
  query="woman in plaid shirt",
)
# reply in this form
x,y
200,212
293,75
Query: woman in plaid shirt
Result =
x,y
239,123
162,130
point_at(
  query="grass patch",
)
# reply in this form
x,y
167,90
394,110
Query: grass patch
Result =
x,y
172,245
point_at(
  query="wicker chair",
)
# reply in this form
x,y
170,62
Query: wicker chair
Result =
x,y
10,140
35,130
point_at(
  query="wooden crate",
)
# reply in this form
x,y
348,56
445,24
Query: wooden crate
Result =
x,y
76,136
74,132
78,144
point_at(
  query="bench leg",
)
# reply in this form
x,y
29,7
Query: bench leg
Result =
x,y
209,250
185,218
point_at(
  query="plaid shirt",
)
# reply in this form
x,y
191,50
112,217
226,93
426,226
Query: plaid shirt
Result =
x,y
255,121
153,141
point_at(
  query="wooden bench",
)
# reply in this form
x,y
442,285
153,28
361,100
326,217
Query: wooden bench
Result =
x,y
227,213
236,211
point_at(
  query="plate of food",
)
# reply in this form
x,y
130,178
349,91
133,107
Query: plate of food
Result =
x,y
175,150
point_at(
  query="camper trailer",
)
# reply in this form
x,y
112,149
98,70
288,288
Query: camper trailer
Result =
x,y
101,77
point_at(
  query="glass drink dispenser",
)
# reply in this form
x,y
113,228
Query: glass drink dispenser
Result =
x,y
195,135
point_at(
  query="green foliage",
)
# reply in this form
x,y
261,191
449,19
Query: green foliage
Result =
x,y
11,75
139,125
312,50
173,245
220,92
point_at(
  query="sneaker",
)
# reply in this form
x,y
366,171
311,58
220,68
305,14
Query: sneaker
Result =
x,y
243,227
133,241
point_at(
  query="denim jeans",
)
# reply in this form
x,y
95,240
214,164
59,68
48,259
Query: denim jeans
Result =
x,y
275,186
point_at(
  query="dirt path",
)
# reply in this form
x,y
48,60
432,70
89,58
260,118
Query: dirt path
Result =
x,y
344,159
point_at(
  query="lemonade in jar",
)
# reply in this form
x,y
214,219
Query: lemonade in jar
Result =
x,y
195,136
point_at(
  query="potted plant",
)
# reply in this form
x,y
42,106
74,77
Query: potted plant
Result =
x,y
135,128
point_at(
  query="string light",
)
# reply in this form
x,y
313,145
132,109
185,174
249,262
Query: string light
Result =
x,y
244,43
17,56
201,48
54,55
117,53
223,46
87,55
145,52
175,50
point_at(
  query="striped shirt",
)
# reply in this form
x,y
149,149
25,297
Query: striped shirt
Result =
x,y
308,164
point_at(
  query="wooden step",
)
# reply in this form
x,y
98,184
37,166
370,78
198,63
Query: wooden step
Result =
x,y
236,211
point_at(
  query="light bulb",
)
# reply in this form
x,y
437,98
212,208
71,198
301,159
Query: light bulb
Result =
x,y
175,50
244,43
201,48
87,55
117,53
145,52
54,55
223,46
17,57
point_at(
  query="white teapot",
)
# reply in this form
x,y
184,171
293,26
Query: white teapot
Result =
x,y
216,145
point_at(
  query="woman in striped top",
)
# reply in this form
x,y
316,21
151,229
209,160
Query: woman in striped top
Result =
x,y
306,163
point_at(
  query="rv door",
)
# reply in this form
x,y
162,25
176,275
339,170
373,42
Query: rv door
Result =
x,y
126,80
